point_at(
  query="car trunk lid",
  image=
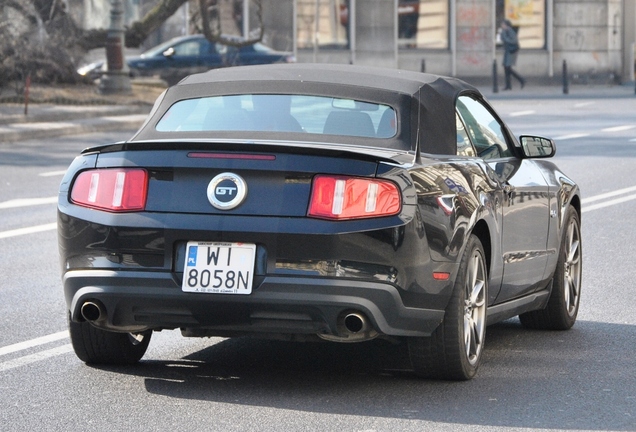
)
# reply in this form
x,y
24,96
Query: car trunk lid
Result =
x,y
277,178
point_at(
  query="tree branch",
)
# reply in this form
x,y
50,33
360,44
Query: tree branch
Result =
x,y
140,30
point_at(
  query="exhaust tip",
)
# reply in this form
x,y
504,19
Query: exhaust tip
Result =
x,y
355,323
93,311
353,326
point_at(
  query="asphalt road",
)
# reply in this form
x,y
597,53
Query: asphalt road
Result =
x,y
582,379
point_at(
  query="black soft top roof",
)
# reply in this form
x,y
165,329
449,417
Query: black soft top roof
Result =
x,y
434,96
363,76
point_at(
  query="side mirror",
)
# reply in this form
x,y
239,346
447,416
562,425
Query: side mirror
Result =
x,y
169,52
537,147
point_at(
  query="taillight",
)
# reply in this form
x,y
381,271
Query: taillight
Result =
x,y
117,190
338,197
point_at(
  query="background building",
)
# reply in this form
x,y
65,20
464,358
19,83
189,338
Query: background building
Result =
x,y
459,37
449,37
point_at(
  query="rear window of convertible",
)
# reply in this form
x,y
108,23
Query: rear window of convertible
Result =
x,y
281,113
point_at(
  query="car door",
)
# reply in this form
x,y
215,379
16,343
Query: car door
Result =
x,y
188,56
215,55
525,205
183,59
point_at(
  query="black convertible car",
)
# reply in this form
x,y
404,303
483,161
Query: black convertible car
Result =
x,y
319,202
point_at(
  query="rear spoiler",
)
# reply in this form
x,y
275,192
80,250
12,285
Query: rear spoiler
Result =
x,y
371,154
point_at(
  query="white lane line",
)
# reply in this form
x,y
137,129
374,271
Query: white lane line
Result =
x,y
52,173
28,230
608,194
608,203
25,202
32,358
571,136
619,128
39,126
583,104
522,113
33,342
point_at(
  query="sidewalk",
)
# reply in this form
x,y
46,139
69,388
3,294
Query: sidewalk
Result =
x,y
543,91
49,120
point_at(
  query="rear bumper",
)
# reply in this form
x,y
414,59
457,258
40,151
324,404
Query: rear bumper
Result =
x,y
142,300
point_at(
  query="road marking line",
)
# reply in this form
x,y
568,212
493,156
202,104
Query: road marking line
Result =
x,y
125,118
32,358
571,136
618,128
583,104
29,230
25,202
608,194
33,342
608,203
522,113
52,173
38,126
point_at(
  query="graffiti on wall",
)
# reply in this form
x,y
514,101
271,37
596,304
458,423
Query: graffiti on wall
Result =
x,y
474,37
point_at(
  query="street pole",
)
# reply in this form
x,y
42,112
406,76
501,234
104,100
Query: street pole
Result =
x,y
495,82
566,81
116,79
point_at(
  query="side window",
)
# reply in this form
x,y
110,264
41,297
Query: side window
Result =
x,y
220,48
190,48
485,132
464,147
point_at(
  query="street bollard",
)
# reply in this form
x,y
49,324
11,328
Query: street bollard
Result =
x,y
423,66
27,88
566,84
495,85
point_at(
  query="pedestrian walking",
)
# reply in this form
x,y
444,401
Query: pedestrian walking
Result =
x,y
511,50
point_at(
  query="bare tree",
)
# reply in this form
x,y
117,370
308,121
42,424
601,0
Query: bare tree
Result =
x,y
211,23
38,40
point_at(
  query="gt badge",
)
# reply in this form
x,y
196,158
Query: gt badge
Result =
x,y
227,191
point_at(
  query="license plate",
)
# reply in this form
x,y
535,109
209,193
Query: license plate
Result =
x,y
219,268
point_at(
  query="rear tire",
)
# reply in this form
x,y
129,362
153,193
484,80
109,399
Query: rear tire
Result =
x,y
563,305
453,351
96,346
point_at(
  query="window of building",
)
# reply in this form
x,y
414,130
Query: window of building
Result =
x,y
423,24
324,23
527,17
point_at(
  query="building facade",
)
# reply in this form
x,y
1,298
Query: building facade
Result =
x,y
460,37
450,37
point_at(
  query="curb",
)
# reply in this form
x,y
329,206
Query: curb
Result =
x,y
554,92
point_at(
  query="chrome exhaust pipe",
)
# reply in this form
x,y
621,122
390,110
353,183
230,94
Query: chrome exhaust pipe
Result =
x,y
93,311
353,326
355,323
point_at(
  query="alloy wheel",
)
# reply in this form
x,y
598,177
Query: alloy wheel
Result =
x,y
475,307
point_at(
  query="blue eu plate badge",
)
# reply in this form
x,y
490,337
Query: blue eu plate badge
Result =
x,y
192,256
